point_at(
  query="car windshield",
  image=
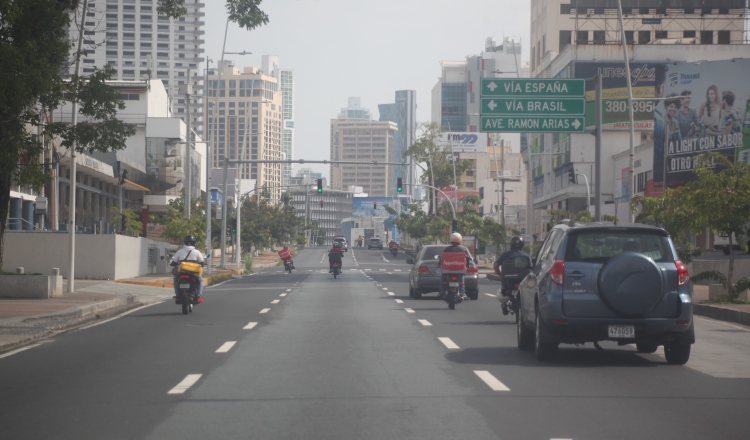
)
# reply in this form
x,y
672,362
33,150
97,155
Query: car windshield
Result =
x,y
600,245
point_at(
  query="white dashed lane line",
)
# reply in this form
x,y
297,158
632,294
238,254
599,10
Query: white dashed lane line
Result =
x,y
408,310
276,301
490,295
250,326
186,383
391,294
283,294
425,322
398,301
449,343
491,381
226,347
265,310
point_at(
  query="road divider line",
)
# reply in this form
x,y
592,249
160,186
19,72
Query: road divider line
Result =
x,y
276,301
118,316
226,347
385,288
283,295
288,290
11,353
265,310
408,310
391,294
425,322
398,301
186,383
250,326
491,295
449,343
491,381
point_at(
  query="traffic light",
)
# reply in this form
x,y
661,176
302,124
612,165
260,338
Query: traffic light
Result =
x,y
572,175
481,192
320,185
321,203
123,176
454,226
374,205
234,227
399,184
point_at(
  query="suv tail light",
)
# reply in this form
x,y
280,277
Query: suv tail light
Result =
x,y
423,269
557,272
682,273
472,270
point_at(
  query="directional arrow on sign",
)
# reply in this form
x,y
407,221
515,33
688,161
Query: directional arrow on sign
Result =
x,y
576,124
492,105
492,86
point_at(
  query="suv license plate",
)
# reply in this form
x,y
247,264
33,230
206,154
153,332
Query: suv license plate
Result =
x,y
621,331
184,286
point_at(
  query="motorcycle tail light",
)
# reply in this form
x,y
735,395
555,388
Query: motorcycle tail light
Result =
x,y
423,269
557,272
472,270
682,273
184,277
454,278
515,286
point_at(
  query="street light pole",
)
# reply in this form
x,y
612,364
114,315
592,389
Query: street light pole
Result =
x,y
209,167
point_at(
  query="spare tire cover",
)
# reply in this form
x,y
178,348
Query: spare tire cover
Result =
x,y
631,284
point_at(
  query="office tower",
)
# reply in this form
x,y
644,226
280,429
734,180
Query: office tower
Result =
x,y
285,78
403,112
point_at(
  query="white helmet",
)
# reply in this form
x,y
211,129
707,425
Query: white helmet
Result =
x,y
456,238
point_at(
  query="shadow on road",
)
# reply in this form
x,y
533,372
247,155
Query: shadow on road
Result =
x,y
566,357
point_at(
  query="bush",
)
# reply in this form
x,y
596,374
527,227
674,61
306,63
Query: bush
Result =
x,y
248,262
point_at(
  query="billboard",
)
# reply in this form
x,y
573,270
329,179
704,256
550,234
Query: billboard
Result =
x,y
615,94
464,142
706,107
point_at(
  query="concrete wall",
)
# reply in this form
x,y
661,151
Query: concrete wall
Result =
x,y
741,268
98,257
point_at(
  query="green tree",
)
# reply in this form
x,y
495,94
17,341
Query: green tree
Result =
x,y
132,224
177,226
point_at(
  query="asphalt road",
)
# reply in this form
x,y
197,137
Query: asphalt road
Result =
x,y
301,355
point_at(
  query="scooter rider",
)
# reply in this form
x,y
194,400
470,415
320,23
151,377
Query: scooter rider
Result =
x,y
188,253
516,250
335,255
455,246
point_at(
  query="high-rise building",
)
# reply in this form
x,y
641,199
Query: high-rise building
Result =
x,y
365,141
403,112
252,100
139,44
449,96
355,111
558,23
285,78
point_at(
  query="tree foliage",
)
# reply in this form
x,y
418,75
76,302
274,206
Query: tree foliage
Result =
x,y
246,13
177,225
131,221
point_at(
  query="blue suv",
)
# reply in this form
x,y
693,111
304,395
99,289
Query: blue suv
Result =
x,y
591,283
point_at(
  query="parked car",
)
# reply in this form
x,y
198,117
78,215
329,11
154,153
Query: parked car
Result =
x,y
375,243
343,242
591,283
424,276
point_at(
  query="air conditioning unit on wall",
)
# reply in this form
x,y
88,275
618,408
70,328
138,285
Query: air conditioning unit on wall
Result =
x,y
645,137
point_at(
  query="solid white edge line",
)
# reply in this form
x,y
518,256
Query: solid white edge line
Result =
x,y
219,284
265,310
276,301
11,353
186,383
408,310
491,381
449,344
398,301
425,322
722,322
119,316
250,326
226,347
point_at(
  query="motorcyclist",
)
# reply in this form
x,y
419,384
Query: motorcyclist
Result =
x,y
359,241
392,244
188,253
335,255
456,239
284,250
516,250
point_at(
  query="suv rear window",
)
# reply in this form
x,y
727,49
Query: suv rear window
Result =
x,y
600,245
340,240
374,240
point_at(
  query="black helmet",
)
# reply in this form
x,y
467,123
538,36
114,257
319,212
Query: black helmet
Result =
x,y
516,243
189,240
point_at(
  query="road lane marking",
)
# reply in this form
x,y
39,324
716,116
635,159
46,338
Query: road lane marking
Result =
x,y
491,381
226,347
397,270
391,294
265,310
186,383
382,270
11,353
722,322
425,322
118,316
283,294
408,310
398,301
276,301
250,326
449,343
288,290
385,288
491,295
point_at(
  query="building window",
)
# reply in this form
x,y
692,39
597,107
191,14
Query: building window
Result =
x,y
661,35
644,37
688,34
599,37
565,39
565,9
707,37
582,37
724,37
629,37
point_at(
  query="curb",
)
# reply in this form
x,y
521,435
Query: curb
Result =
x,y
169,284
722,313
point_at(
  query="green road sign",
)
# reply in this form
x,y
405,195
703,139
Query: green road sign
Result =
x,y
533,124
533,106
533,87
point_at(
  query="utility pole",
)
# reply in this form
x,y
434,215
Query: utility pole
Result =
x,y
209,167
187,90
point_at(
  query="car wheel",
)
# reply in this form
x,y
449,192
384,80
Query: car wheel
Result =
x,y
411,292
523,334
473,294
544,351
677,354
646,347
417,294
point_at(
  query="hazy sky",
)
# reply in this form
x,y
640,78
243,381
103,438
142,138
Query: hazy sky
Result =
x,y
369,49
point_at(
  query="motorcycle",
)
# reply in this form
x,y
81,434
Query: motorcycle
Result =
x,y
513,272
336,269
453,266
394,251
453,291
188,285
288,265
